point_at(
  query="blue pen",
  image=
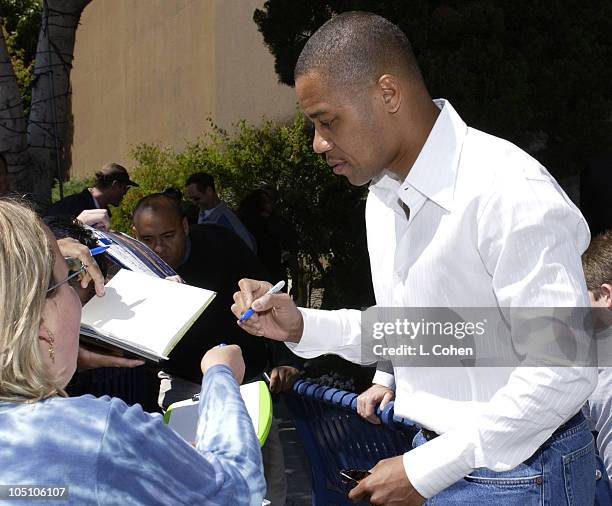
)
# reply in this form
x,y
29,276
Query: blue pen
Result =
x,y
97,250
275,289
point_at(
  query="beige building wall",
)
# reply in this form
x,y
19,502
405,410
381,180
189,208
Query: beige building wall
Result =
x,y
154,70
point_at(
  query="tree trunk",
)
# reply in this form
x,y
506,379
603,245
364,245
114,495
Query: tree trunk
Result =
x,y
13,140
49,112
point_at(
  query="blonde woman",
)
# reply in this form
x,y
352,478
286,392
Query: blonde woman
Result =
x,y
100,451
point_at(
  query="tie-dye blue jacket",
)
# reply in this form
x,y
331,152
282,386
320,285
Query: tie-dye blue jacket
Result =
x,y
108,453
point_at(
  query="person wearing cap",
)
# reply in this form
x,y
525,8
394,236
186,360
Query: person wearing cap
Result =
x,y
110,186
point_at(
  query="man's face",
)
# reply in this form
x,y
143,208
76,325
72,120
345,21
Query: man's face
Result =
x,y
201,199
349,128
4,183
117,191
164,232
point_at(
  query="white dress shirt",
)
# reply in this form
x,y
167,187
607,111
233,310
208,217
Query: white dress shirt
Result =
x,y
205,213
488,227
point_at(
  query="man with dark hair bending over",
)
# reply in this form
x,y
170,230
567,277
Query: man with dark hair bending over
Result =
x,y
455,218
110,186
597,263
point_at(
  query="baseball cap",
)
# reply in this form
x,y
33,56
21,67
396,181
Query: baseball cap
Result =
x,y
115,172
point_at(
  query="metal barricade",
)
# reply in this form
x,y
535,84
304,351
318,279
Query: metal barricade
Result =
x,y
335,437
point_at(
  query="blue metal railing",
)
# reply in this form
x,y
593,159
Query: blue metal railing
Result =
x,y
335,437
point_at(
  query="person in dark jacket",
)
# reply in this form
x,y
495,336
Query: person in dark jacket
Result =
x,y
210,257
213,257
110,186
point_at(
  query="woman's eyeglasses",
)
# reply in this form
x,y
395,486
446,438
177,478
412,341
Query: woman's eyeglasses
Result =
x,y
75,268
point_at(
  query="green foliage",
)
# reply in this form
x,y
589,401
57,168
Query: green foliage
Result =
x,y
318,204
70,187
21,21
532,71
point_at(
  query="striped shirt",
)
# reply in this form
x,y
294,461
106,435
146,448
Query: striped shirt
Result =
x,y
488,227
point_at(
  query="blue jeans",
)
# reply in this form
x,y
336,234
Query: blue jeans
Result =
x,y
561,472
603,489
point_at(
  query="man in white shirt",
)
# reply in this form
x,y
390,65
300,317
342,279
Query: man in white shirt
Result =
x,y
455,218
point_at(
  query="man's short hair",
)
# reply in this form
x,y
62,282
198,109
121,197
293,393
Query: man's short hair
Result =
x,y
597,263
202,180
157,203
112,172
173,192
356,48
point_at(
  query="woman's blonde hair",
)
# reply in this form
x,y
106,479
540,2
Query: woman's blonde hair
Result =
x,y
26,270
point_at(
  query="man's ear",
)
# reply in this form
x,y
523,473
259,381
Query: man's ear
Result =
x,y
185,224
606,293
391,92
135,232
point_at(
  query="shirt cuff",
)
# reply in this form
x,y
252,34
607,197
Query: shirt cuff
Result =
x,y
439,463
216,369
335,332
385,379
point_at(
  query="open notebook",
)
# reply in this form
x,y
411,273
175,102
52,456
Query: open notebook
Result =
x,y
142,314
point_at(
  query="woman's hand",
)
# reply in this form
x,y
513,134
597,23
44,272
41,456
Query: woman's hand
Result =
x,y
230,356
70,247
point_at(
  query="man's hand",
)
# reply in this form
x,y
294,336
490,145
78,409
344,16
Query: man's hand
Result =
x,y
96,218
276,316
88,359
230,356
388,484
282,378
175,279
70,247
370,399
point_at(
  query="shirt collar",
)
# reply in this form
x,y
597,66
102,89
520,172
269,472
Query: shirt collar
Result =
x,y
207,212
96,203
435,170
